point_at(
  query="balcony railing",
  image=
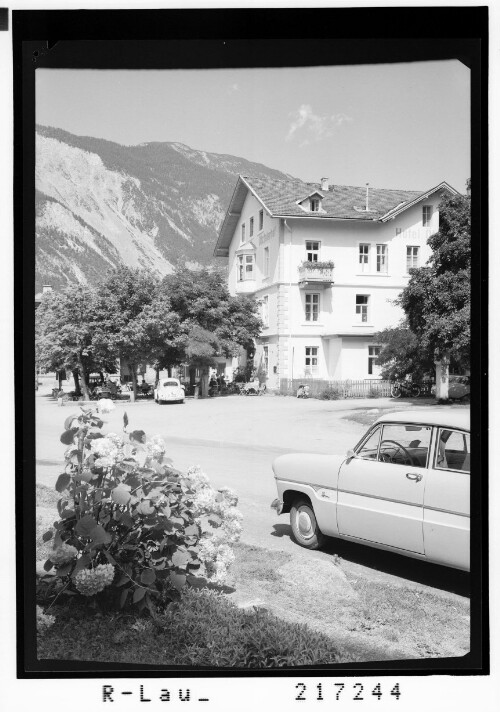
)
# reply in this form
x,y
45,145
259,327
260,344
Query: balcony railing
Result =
x,y
318,274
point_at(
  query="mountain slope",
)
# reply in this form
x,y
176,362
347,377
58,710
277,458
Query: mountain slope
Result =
x,y
100,204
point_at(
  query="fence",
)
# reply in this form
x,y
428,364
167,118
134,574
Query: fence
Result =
x,y
319,388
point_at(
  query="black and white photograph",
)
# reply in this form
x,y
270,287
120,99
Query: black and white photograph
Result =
x,y
250,271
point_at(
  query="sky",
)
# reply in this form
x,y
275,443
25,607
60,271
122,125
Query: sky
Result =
x,y
391,125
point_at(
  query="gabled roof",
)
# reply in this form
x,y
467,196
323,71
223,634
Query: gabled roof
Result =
x,y
281,198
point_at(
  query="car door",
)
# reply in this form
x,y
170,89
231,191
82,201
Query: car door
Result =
x,y
447,500
381,489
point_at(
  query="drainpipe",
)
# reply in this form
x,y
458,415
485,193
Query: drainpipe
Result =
x,y
291,350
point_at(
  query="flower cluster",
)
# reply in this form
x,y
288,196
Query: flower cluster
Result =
x,y
105,405
92,581
156,447
217,558
63,554
108,450
43,621
215,551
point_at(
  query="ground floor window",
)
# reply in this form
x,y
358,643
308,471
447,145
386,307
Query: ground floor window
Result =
x,y
373,354
412,254
311,362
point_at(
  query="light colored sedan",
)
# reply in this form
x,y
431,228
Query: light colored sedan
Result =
x,y
405,487
169,390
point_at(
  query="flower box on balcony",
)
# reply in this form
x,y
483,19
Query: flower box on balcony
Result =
x,y
316,273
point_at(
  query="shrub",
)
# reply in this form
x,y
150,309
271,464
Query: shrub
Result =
x,y
330,394
132,529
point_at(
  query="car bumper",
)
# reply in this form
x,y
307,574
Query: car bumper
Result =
x,y
277,504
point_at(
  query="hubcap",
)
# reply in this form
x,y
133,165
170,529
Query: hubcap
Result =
x,y
304,524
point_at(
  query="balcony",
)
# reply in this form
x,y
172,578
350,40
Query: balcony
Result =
x,y
318,275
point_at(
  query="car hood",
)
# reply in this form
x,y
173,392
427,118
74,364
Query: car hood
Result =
x,y
308,468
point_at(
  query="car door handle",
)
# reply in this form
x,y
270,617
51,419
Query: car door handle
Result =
x,y
413,476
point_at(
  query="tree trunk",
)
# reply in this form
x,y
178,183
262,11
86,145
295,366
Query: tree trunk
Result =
x,y
133,373
83,376
442,378
76,378
169,371
204,384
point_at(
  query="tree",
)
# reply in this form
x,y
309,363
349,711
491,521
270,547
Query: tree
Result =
x,y
401,354
65,324
137,322
215,323
436,303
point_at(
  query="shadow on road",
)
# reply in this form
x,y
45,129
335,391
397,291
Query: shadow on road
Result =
x,y
432,575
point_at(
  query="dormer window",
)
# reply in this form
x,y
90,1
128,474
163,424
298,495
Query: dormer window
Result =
x,y
312,203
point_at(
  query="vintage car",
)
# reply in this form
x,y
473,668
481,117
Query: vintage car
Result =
x,y
404,488
169,390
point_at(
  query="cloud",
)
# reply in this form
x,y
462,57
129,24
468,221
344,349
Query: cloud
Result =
x,y
313,127
234,87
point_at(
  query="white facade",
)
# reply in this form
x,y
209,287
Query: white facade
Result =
x,y
320,323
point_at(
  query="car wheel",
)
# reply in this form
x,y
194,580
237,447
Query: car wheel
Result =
x,y
305,530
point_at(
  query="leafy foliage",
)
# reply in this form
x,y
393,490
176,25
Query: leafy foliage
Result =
x,y
131,527
436,301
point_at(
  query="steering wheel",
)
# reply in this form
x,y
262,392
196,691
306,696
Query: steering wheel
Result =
x,y
398,447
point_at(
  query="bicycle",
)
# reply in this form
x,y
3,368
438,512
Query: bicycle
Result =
x,y
404,388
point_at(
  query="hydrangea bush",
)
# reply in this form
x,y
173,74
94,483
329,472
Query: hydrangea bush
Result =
x,y
130,526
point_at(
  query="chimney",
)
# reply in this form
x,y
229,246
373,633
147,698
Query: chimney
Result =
x,y
46,288
325,184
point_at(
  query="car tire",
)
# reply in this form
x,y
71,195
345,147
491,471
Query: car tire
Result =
x,y
305,530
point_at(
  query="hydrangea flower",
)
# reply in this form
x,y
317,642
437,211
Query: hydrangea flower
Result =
x,y
63,554
105,405
91,581
43,621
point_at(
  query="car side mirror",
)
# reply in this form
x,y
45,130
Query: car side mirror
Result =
x,y
350,454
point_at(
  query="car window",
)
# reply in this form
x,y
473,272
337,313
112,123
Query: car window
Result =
x,y
170,383
369,449
453,450
405,444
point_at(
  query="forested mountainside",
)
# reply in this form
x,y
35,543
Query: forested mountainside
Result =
x,y
100,205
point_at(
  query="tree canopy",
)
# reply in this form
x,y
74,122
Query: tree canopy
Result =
x,y
436,301
187,317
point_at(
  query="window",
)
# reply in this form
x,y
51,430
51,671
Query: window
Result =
x,y
251,227
453,451
364,254
312,251
261,220
312,307
311,361
245,267
369,449
405,444
265,310
266,261
315,205
362,307
382,258
412,253
426,215
373,354
265,358
243,232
